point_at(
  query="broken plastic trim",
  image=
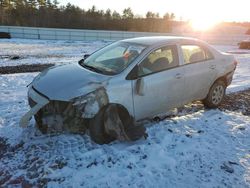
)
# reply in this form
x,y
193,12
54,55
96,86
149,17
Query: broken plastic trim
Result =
x,y
40,102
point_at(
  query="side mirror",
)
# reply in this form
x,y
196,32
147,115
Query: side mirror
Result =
x,y
139,86
133,73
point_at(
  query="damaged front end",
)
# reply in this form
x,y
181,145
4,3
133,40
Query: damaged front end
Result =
x,y
63,116
92,111
71,97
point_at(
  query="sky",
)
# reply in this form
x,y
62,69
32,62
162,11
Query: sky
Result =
x,y
195,10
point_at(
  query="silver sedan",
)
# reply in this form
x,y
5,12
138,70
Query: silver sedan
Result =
x,y
108,92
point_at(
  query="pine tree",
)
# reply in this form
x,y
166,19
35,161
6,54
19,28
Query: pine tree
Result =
x,y
127,13
32,4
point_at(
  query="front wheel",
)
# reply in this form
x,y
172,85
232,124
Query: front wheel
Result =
x,y
215,95
114,122
97,129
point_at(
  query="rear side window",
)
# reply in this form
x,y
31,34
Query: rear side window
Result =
x,y
159,60
195,53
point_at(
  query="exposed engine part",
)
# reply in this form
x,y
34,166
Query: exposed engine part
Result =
x,y
58,116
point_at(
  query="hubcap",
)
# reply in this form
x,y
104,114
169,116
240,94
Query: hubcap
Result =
x,y
217,95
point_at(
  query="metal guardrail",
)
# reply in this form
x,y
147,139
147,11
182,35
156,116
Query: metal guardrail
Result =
x,y
70,34
77,34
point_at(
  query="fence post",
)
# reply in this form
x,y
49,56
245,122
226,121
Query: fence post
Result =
x,y
38,34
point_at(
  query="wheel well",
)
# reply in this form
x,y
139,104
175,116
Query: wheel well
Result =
x,y
222,78
124,114
121,108
113,121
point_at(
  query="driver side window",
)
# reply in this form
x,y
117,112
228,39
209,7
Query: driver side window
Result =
x,y
161,59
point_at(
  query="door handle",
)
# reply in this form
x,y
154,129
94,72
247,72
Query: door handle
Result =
x,y
178,76
212,66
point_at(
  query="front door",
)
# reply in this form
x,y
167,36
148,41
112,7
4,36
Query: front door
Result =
x,y
160,83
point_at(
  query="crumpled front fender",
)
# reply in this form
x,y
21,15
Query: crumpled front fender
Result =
x,y
90,104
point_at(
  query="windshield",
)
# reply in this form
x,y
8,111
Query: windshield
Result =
x,y
113,58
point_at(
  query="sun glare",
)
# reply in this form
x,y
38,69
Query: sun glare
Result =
x,y
203,24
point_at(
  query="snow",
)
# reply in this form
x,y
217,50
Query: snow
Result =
x,y
45,51
241,79
208,148
13,100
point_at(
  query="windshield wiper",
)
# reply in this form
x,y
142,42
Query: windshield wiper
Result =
x,y
95,69
92,68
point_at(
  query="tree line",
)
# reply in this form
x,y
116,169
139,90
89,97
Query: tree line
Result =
x,y
47,13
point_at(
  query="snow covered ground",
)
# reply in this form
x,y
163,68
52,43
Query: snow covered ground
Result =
x,y
45,51
208,148
241,78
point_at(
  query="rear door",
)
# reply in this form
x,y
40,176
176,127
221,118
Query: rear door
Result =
x,y
160,83
200,71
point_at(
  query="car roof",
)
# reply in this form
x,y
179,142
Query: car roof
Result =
x,y
158,39
153,40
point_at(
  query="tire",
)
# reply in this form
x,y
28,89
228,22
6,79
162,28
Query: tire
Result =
x,y
125,128
114,122
215,95
97,129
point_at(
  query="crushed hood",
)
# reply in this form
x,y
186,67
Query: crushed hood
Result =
x,y
65,82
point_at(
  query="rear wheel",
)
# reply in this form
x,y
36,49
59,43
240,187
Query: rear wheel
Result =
x,y
215,95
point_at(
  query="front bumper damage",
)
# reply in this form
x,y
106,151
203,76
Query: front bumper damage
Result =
x,y
68,114
74,116
40,102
